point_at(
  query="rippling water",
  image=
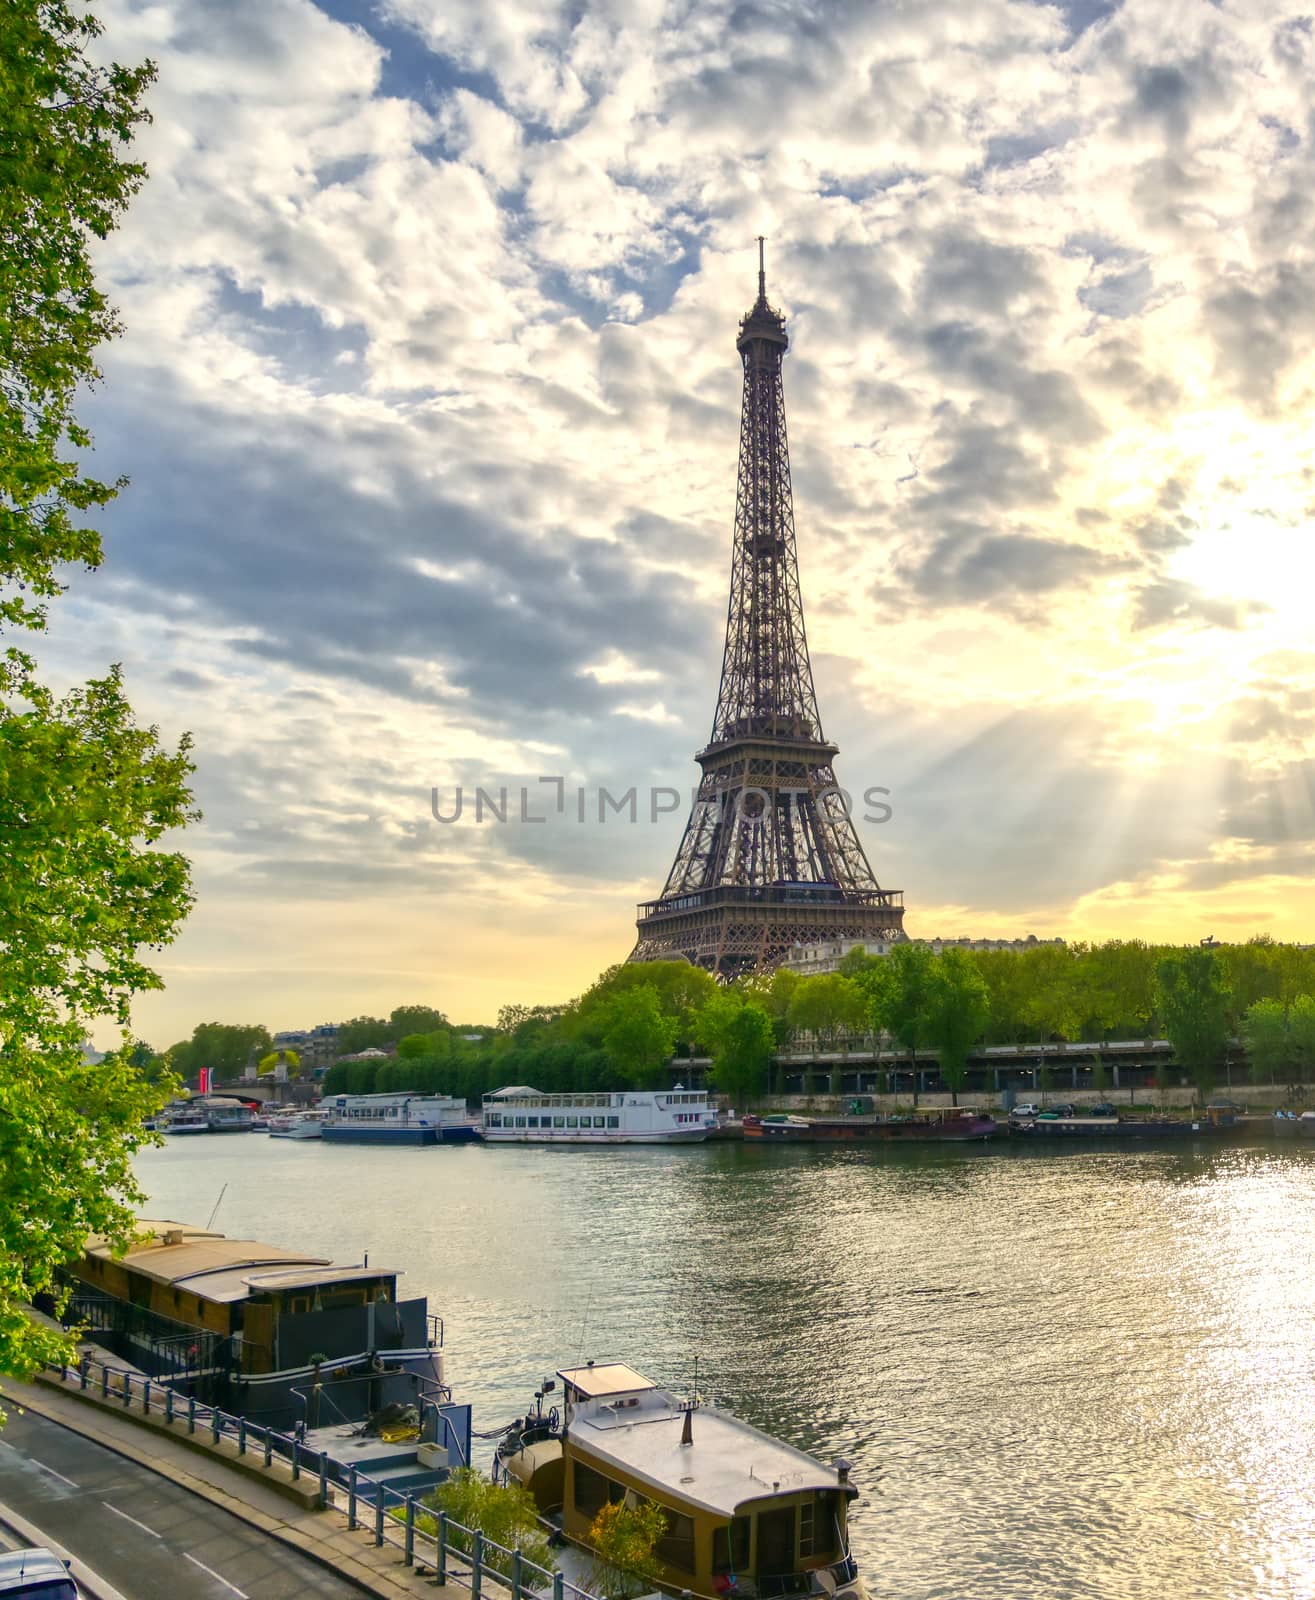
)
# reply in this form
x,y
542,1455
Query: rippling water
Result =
x,y
1071,1374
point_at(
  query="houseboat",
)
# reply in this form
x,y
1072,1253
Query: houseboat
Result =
x,y
400,1118
225,1115
298,1124
522,1115
274,1334
186,1117
747,1515
956,1126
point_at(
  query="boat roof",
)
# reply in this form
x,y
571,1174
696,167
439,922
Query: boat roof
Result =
x,y
729,1463
515,1090
611,1377
218,1268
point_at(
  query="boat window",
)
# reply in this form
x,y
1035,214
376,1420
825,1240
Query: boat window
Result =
x,y
299,1303
531,1122
559,1122
730,1546
676,1546
592,1490
614,1122
520,1122
572,1122
600,1122
817,1526
495,1121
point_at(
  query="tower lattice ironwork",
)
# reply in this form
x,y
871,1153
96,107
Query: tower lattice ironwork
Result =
x,y
770,857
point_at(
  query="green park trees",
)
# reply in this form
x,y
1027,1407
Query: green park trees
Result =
x,y
957,1006
87,797
1265,1035
738,1035
226,1048
1193,1002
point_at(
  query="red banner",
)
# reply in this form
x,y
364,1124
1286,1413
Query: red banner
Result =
x,y
203,1081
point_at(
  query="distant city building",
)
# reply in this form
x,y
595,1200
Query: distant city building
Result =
x,y
316,1047
814,960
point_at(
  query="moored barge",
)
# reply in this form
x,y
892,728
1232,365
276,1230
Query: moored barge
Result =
x,y
746,1514
271,1333
955,1126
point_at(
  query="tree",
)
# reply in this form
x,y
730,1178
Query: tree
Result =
x,y
224,1047
414,1019
504,1513
637,1035
738,1033
1193,1002
624,1539
958,1006
908,999
85,798
363,1033
62,179
280,1058
1265,1035
1301,1026
1054,1003
826,1006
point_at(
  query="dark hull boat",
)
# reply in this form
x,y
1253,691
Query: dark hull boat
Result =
x,y
954,1127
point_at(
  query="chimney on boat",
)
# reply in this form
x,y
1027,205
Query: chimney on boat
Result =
x,y
687,1430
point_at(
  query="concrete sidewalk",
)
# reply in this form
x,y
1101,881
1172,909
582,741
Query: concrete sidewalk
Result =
x,y
264,1498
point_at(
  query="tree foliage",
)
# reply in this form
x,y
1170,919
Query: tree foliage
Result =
x,y
1194,1005
737,1032
624,1539
225,1047
1265,1035
86,796
637,1035
63,180
957,1008
504,1513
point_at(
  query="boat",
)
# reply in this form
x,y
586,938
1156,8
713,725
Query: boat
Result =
x,y
399,1118
955,1126
270,1333
521,1115
1078,1126
1306,1124
298,1124
747,1514
188,1118
1285,1124
225,1115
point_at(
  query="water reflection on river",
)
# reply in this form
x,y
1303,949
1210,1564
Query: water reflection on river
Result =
x,y
1056,1375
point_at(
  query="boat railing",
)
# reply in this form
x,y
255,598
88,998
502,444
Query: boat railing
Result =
x,y
430,1541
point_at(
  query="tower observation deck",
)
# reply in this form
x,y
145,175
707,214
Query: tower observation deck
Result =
x,y
770,857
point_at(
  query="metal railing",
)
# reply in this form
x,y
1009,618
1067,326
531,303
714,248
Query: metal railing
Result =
x,y
448,1549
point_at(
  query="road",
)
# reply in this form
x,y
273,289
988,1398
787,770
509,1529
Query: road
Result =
x,y
149,1538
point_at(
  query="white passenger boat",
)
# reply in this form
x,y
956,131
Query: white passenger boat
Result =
x,y
187,1119
400,1118
298,1125
521,1115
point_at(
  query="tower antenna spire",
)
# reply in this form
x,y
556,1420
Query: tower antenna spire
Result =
x,y
762,272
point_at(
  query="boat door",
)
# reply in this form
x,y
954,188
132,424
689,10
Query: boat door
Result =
x,y
775,1542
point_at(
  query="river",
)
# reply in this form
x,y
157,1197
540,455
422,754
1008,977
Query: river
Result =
x,y
1056,1374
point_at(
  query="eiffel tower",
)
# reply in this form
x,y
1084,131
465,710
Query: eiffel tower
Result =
x,y
770,857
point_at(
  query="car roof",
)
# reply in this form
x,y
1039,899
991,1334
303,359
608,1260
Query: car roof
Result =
x,y
18,1568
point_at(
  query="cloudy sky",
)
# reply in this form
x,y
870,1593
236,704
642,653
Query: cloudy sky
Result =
x,y
429,397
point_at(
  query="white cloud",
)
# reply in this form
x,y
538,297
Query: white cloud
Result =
x,y
430,396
